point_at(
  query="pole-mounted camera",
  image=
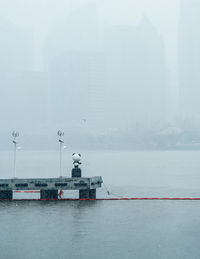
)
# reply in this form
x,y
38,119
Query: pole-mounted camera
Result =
x,y
76,171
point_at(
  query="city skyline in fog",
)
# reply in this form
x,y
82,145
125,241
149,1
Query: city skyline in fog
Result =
x,y
99,68
41,17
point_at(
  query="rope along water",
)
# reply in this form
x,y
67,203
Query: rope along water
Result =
x,y
117,198
109,199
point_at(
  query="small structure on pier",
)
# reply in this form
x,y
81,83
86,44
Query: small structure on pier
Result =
x,y
49,186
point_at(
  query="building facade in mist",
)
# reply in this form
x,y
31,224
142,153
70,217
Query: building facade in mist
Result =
x,y
136,74
75,64
189,59
15,47
24,100
77,90
79,32
122,85
21,89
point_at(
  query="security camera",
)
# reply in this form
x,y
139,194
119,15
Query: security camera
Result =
x,y
76,158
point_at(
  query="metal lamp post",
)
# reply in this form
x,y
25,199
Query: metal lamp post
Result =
x,y
60,140
15,134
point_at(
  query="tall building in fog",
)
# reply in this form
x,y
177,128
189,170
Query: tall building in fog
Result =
x,y
112,85
189,59
15,48
18,104
75,64
24,99
79,32
77,90
136,74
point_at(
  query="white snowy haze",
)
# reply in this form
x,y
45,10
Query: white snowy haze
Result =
x,y
110,73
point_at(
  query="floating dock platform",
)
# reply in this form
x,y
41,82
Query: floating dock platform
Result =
x,y
49,186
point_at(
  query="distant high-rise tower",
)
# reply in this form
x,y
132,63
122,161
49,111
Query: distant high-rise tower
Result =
x,y
17,82
80,32
136,74
15,48
189,59
77,89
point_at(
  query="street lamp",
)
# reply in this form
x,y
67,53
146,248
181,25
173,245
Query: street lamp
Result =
x,y
60,140
15,135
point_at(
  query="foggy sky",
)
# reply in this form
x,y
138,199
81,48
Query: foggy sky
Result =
x,y
41,16
119,62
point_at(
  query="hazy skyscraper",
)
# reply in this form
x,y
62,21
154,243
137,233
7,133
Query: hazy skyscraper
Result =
x,y
77,89
15,66
79,32
15,47
136,74
189,58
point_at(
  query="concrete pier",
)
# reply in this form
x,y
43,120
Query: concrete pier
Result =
x,y
84,194
49,186
93,194
49,194
6,195
87,194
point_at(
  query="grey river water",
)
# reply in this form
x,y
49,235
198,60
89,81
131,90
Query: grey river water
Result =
x,y
106,229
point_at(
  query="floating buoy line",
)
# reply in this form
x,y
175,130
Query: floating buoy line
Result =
x,y
108,199
116,198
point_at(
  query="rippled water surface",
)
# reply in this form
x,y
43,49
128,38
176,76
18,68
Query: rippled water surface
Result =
x,y
106,229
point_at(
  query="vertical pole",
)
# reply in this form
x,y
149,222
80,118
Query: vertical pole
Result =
x,y
15,134
60,158
60,135
15,154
